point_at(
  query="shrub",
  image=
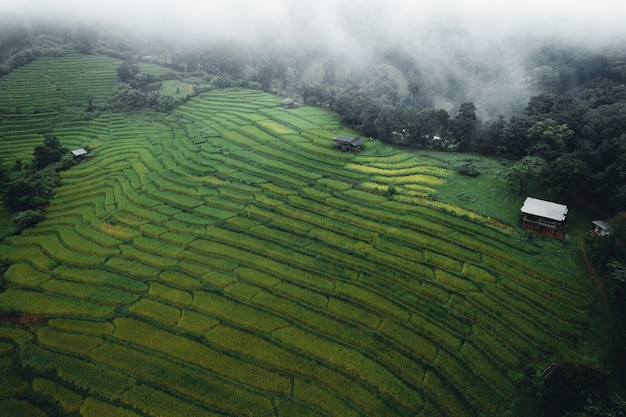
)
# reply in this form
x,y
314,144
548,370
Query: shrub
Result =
x,y
468,169
48,153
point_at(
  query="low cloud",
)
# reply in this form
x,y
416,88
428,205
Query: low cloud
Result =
x,y
334,20
478,45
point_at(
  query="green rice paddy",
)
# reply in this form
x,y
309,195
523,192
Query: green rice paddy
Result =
x,y
224,260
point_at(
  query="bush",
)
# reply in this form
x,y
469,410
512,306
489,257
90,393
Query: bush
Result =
x,y
468,169
49,152
23,220
571,385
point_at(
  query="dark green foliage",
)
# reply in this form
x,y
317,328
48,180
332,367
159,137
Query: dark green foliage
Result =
x,y
127,72
392,189
603,250
549,139
23,220
618,272
468,169
27,192
598,407
49,152
128,97
30,190
571,385
566,172
524,170
464,125
23,58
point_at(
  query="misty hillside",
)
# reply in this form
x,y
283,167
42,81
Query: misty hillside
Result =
x,y
518,95
208,251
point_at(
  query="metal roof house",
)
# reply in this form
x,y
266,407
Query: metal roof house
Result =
x,y
79,154
290,103
544,216
601,227
347,143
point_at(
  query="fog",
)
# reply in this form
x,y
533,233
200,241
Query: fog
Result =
x,y
337,20
481,44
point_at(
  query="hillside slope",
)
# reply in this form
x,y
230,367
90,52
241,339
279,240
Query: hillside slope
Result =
x,y
225,260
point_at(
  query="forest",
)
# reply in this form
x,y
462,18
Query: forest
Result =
x,y
561,125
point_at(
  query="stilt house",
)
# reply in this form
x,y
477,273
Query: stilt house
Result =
x,y
79,154
544,216
347,143
601,227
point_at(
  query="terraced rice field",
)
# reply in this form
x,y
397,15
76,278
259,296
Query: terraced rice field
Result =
x,y
45,94
224,260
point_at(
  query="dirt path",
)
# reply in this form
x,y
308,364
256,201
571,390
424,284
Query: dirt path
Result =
x,y
592,208
594,277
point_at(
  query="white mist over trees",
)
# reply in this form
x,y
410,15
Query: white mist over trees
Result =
x,y
463,50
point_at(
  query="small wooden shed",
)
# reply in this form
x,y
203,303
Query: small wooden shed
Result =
x,y
290,103
544,216
601,227
347,143
79,154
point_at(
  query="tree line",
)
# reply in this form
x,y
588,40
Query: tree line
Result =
x,y
570,133
27,190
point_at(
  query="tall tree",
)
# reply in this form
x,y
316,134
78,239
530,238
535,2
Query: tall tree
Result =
x,y
567,172
523,171
464,125
549,139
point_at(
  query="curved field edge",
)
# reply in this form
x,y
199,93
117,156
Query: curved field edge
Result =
x,y
230,238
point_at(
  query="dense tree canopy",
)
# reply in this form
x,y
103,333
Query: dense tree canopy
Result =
x,y
27,191
49,152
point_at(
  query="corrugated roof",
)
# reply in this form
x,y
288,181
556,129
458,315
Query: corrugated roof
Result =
x,y
79,152
603,224
546,209
349,139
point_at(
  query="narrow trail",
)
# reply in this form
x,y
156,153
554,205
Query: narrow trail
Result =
x,y
589,206
594,277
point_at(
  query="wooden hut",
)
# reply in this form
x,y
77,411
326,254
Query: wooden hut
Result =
x,y
79,154
347,143
290,103
544,216
601,227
